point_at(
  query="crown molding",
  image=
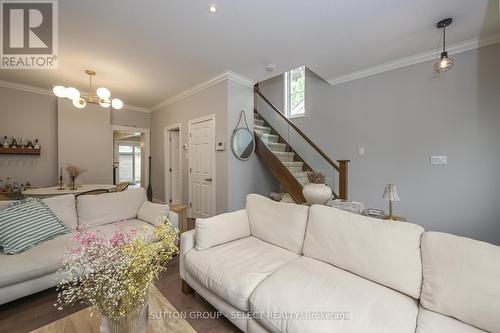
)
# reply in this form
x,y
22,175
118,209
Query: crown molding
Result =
x,y
226,75
47,92
26,88
467,45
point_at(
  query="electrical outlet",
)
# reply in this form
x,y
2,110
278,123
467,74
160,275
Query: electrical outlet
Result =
x,y
439,160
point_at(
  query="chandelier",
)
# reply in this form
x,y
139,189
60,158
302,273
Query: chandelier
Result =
x,y
102,96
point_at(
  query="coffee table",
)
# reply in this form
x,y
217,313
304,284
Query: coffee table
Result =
x,y
165,319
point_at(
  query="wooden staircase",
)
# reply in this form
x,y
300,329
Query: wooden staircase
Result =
x,y
286,165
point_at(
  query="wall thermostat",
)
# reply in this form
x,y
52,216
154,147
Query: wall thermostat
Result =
x,y
220,146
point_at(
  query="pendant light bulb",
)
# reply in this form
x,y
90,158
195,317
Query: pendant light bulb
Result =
x,y
79,103
104,102
59,91
103,93
117,103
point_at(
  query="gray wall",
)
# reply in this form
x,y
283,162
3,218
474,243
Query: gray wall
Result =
x,y
212,100
25,114
234,178
404,116
249,176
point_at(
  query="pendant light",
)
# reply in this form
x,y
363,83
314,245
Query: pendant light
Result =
x,y
445,63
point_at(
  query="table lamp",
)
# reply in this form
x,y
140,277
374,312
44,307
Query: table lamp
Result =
x,y
390,194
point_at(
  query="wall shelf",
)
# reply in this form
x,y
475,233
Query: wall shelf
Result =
x,y
19,151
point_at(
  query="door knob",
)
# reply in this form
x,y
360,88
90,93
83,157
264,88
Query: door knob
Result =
x,y
208,179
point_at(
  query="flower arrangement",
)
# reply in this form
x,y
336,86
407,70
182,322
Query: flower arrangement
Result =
x,y
114,275
316,177
74,171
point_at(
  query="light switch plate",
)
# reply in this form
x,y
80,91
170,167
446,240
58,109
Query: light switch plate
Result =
x,y
361,151
439,160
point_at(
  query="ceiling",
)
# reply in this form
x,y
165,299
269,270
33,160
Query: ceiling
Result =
x,y
148,51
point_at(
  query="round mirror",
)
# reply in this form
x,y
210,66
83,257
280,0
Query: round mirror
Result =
x,y
242,143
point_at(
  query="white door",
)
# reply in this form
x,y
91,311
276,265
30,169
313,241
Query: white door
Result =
x,y
175,167
202,168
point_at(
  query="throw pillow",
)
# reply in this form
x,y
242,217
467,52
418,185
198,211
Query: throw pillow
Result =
x,y
26,224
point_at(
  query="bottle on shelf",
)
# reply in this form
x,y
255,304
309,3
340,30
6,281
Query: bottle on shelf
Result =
x,y
8,186
15,187
5,142
27,186
37,145
14,143
30,145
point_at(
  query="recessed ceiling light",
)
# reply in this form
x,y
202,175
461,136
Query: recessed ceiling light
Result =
x,y
212,9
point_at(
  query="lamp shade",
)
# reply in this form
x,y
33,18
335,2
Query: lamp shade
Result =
x,y
390,193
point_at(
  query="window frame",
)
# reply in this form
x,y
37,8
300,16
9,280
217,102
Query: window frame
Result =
x,y
288,95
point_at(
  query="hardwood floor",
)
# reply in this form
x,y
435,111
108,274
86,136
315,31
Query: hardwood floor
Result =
x,y
31,312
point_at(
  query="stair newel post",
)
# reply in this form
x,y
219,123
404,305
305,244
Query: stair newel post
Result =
x,y
343,178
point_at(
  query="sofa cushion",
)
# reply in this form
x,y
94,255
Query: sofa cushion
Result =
x,y
233,270
151,212
41,260
64,207
94,210
221,229
133,225
382,251
432,322
27,224
462,279
324,298
281,224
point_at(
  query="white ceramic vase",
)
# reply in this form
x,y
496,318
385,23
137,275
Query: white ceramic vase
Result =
x,y
317,194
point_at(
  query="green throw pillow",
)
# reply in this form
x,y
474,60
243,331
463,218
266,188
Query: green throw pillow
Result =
x,y
26,224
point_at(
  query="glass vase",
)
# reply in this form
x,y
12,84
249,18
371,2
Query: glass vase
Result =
x,y
134,322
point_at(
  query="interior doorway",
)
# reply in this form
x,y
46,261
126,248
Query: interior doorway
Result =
x,y
202,167
173,164
130,156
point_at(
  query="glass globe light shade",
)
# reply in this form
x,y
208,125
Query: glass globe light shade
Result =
x,y
79,103
72,93
116,103
59,91
444,64
103,93
104,102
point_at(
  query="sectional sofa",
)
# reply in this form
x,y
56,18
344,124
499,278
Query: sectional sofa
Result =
x,y
278,267
34,270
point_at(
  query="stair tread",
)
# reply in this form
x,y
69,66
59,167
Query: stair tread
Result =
x,y
262,128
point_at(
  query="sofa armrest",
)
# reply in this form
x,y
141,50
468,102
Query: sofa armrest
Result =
x,y
188,242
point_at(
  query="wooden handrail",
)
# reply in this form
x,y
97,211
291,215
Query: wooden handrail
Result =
x,y
305,137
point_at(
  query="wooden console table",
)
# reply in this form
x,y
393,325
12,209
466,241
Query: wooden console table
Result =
x,y
181,210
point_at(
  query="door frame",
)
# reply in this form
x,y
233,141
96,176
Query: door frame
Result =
x,y
166,160
147,147
214,178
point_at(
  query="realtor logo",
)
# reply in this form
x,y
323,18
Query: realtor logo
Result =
x,y
29,38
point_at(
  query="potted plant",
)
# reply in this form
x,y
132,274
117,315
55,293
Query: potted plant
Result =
x,y
316,192
113,276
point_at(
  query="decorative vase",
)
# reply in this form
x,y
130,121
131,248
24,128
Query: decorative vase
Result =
x,y
134,322
317,194
73,184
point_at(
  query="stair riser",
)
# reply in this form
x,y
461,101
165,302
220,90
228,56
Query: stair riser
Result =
x,y
277,147
285,158
258,131
258,122
268,138
295,169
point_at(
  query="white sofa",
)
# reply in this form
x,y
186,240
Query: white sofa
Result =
x,y
276,267
34,270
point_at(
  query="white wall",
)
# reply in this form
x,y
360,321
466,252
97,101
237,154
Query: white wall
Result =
x,y
26,114
404,116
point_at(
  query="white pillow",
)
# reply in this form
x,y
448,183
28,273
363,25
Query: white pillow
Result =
x,y
221,229
65,209
278,223
151,212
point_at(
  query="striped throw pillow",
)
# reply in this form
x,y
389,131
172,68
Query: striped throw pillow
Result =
x,y
26,224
